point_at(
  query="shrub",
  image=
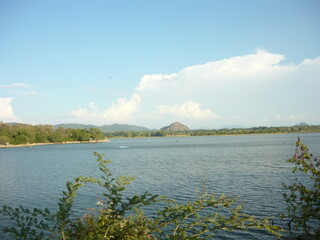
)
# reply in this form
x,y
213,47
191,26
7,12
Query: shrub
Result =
x,y
303,194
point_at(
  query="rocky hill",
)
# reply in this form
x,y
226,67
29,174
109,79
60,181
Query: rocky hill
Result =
x,y
176,126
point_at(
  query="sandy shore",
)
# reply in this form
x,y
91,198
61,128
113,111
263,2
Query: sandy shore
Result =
x,y
40,144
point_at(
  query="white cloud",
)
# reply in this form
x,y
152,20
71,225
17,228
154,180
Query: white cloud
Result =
x,y
234,68
254,87
247,65
80,113
15,85
92,105
16,88
121,111
24,93
154,81
6,112
187,109
29,93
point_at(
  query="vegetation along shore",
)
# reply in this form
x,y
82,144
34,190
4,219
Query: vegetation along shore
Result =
x,y
41,144
24,135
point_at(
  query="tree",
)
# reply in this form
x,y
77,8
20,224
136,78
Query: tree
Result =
x,y
303,194
96,134
4,140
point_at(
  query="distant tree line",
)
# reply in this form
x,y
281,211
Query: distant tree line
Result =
x,y
16,134
212,132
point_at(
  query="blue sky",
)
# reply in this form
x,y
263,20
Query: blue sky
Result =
x,y
208,64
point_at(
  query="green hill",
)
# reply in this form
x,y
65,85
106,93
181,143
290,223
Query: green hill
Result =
x,y
75,126
301,124
105,128
123,127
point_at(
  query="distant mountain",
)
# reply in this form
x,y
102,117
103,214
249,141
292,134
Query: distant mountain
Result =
x,y
176,126
75,126
105,128
16,123
301,124
123,127
232,126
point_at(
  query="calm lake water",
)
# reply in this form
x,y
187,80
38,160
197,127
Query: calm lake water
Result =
x,y
250,166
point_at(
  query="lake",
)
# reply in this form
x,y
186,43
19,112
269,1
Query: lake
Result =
x,y
250,166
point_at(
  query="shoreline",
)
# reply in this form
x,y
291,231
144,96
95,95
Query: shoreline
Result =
x,y
55,143
109,139
213,135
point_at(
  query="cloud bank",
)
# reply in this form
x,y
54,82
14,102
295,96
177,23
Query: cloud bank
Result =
x,y
6,110
247,90
187,109
120,111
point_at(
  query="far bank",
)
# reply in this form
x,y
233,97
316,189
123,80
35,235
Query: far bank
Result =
x,y
41,144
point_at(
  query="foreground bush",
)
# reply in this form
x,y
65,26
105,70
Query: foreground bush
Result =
x,y
120,217
303,194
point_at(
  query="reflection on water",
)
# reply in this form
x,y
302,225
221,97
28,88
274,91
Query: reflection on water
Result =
x,y
251,166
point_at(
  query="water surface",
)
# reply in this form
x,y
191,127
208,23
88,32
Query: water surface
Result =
x,y
250,166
